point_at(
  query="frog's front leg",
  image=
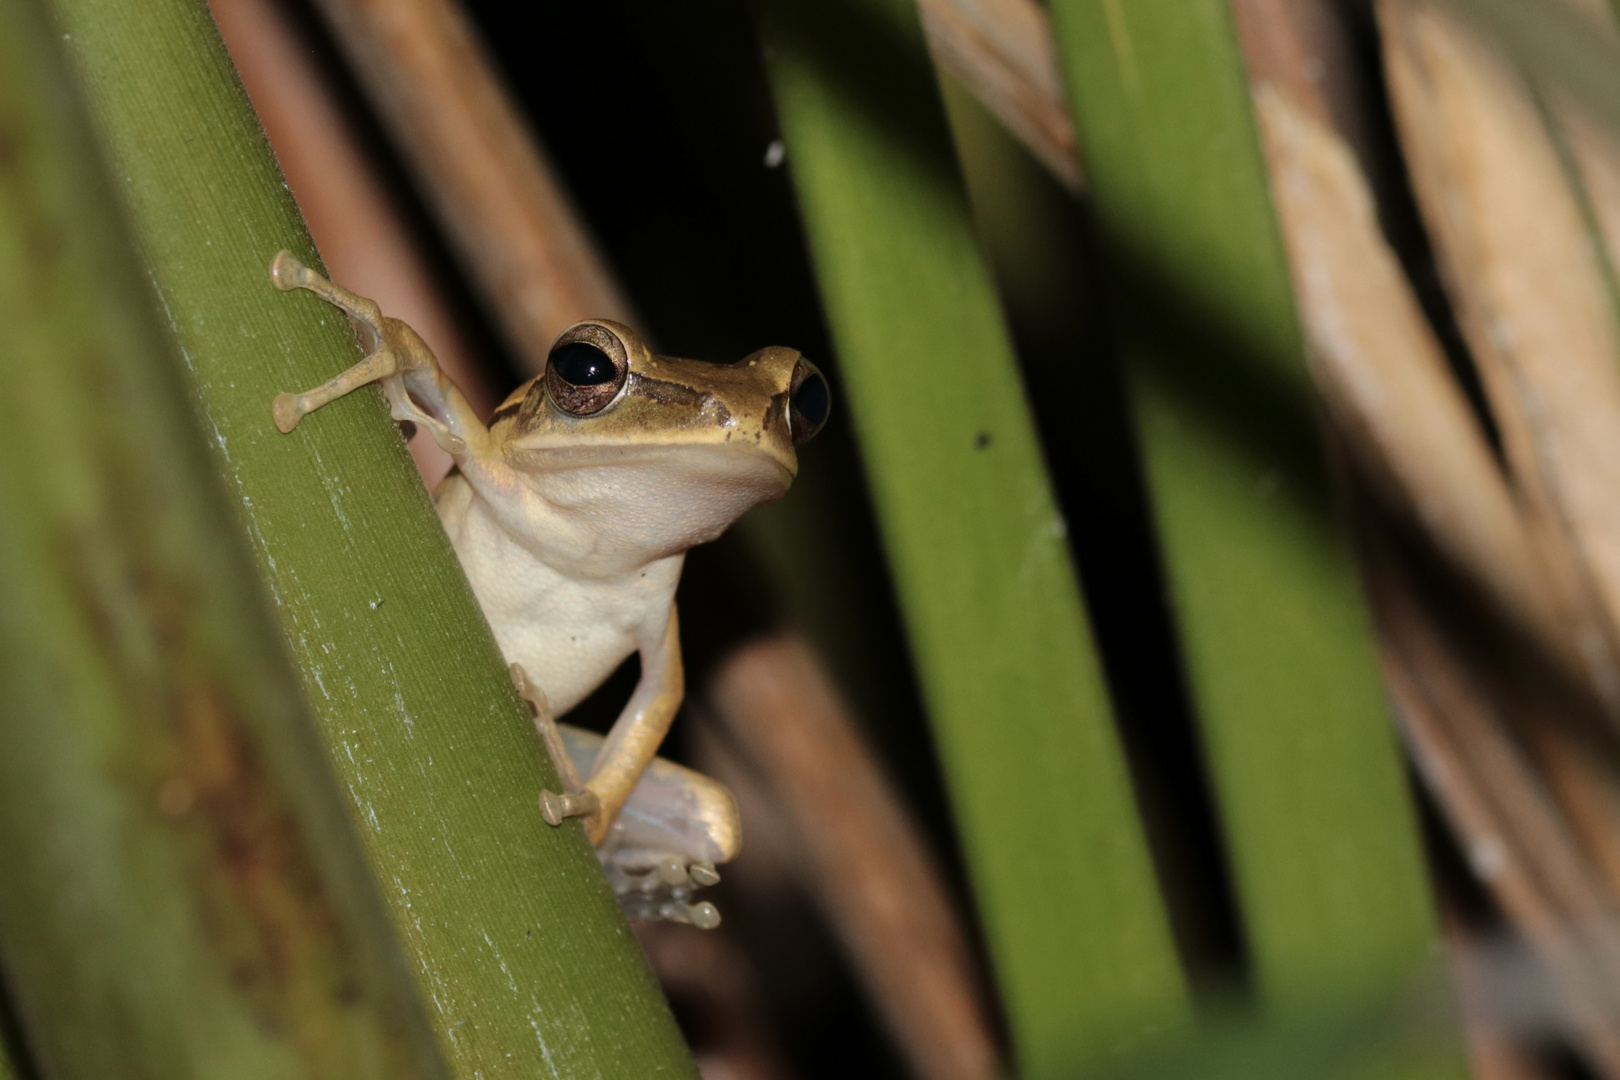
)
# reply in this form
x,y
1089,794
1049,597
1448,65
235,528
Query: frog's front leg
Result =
x,y
396,356
575,801
633,741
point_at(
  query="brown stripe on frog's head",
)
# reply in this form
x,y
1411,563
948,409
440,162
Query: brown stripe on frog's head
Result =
x,y
681,398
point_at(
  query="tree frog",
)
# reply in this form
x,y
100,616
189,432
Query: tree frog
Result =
x,y
572,513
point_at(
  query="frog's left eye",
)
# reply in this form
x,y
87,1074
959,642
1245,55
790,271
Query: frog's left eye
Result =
x,y
586,370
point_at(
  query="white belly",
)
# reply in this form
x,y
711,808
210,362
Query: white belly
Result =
x,y
569,635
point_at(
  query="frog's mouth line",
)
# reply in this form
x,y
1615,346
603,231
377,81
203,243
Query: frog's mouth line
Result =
x,y
679,473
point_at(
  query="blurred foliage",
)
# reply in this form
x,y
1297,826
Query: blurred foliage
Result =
x,y
1336,1036
1271,620
1063,881
183,894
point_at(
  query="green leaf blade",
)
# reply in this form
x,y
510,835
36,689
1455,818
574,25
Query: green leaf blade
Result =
x,y
976,544
514,938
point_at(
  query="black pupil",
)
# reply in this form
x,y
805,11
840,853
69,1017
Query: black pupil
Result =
x,y
810,399
580,363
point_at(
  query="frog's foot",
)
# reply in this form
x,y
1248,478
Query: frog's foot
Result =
x,y
556,809
676,827
663,890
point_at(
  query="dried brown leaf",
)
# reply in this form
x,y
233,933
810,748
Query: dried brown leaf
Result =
x,y
1523,277
505,212
1003,51
860,852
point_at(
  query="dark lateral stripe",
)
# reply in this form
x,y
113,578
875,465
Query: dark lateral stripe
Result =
x,y
672,393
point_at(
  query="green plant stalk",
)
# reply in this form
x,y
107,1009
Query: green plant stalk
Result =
x,y
512,935
1062,876
179,884
1318,819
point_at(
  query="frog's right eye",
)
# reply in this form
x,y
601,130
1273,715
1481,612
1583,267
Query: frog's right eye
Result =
x,y
808,401
586,370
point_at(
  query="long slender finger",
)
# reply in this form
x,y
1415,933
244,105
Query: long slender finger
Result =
x,y
288,273
288,409
567,771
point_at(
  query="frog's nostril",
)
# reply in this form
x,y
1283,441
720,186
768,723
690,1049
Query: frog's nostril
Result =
x,y
809,402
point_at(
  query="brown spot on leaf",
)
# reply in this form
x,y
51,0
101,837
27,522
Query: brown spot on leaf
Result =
x,y
193,755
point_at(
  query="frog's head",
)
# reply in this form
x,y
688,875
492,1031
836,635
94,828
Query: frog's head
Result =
x,y
611,422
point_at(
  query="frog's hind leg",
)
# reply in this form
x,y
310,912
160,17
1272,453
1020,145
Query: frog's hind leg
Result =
x,y
675,827
665,892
